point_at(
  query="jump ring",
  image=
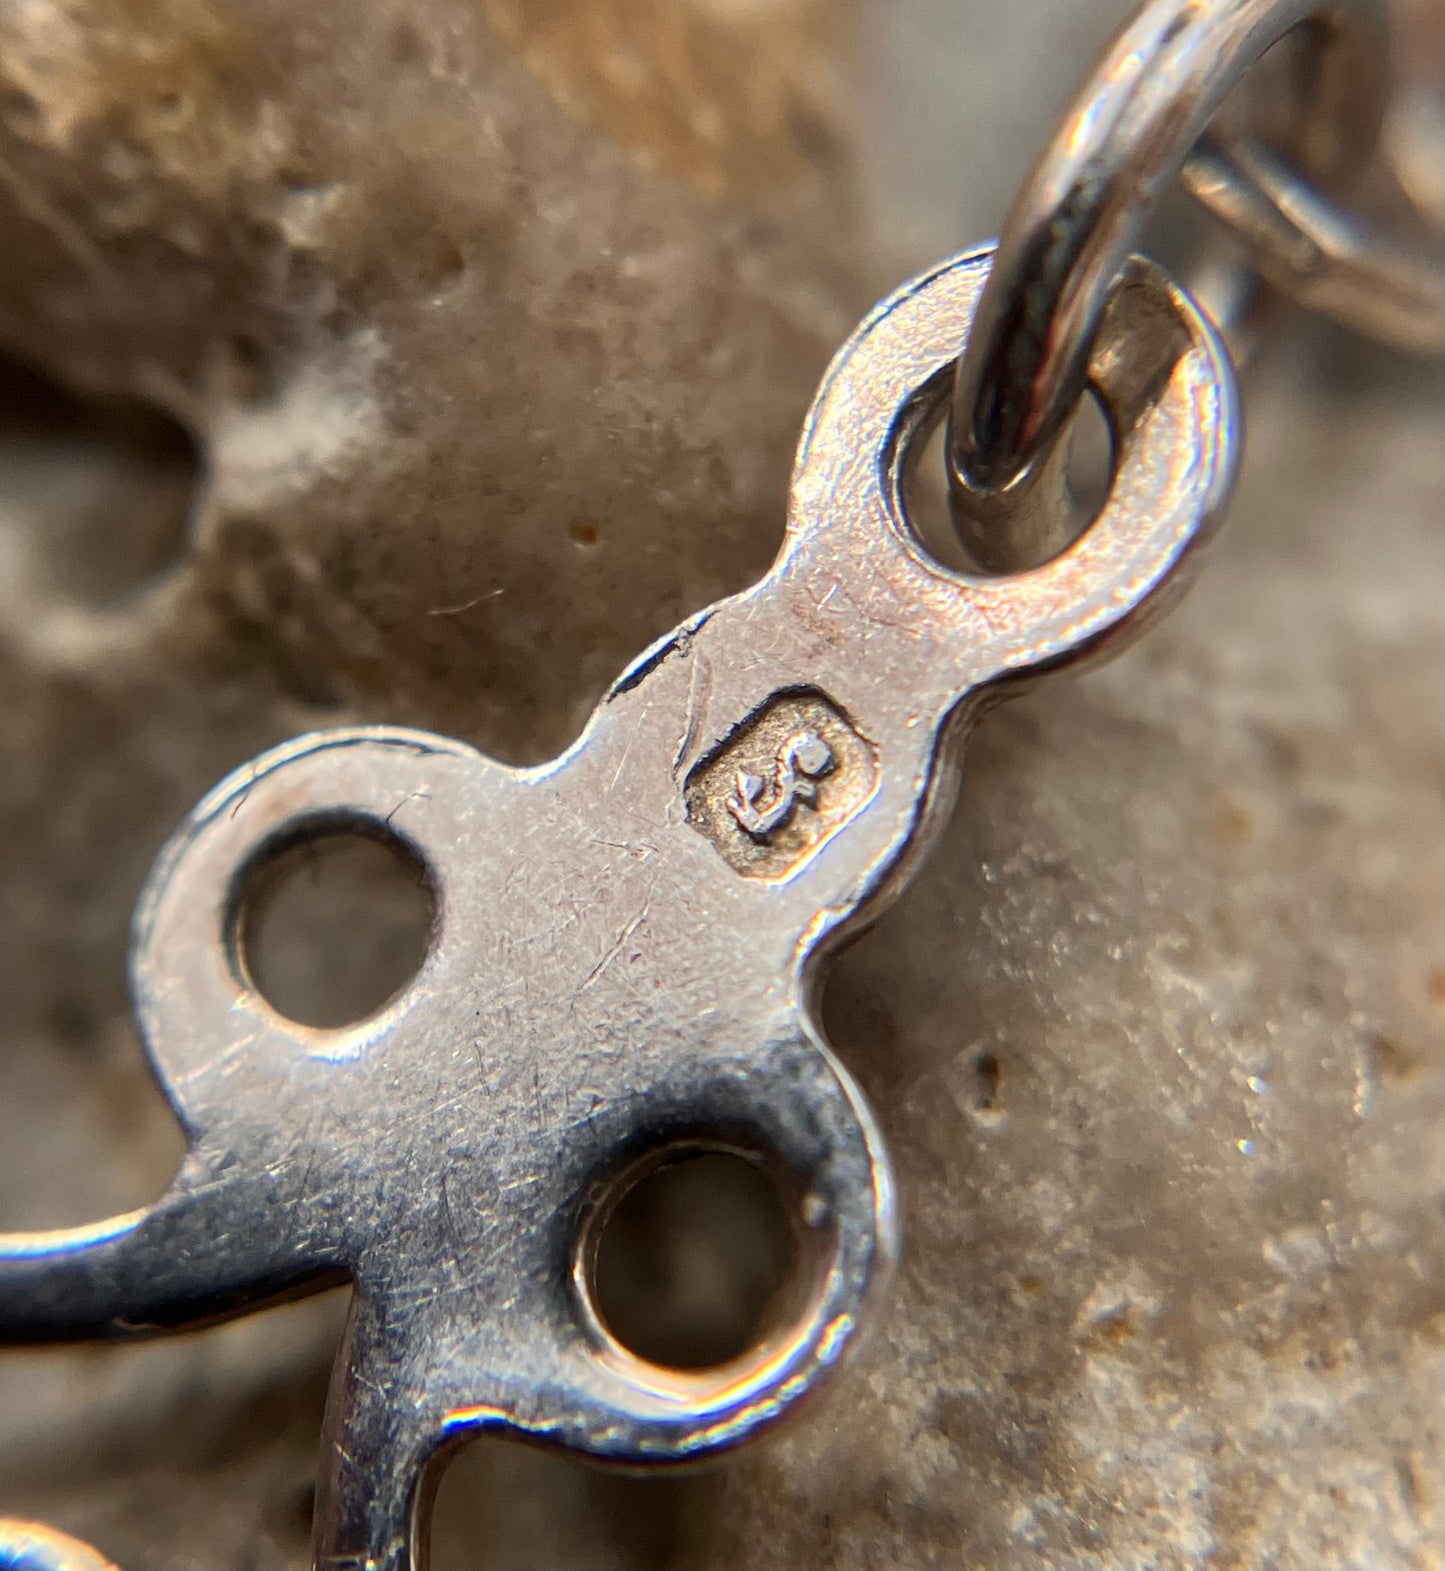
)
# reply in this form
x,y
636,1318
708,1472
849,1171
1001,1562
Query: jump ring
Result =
x,y
1307,249
1079,214
1310,250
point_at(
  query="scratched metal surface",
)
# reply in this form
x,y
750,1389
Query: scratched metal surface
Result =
x,y
607,983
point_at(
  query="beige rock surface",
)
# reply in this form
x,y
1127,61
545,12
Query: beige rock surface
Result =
x,y
491,359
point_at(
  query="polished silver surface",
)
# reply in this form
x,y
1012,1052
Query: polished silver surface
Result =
x,y
1149,98
626,955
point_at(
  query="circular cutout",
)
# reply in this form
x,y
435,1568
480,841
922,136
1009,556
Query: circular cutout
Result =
x,y
332,925
1088,473
696,1262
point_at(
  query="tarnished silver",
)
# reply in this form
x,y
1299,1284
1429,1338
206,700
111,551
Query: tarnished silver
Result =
x,y
1149,98
627,951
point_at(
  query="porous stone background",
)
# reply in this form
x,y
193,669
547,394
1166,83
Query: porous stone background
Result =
x,y
420,362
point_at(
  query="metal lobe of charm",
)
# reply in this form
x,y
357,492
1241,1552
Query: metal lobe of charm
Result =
x,y
627,949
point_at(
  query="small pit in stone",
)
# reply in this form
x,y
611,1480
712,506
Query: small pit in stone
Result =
x,y
987,1082
979,1089
331,926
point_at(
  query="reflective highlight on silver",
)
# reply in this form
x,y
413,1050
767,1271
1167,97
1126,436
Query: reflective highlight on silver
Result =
x,y
621,967
1134,121
30,1546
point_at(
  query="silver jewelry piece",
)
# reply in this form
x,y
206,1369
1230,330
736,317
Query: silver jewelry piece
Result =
x,y
628,943
627,948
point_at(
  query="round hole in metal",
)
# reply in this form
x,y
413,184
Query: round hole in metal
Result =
x,y
1088,474
696,1262
332,924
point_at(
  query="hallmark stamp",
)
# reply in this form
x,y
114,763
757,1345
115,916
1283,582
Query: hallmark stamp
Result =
x,y
802,761
787,779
